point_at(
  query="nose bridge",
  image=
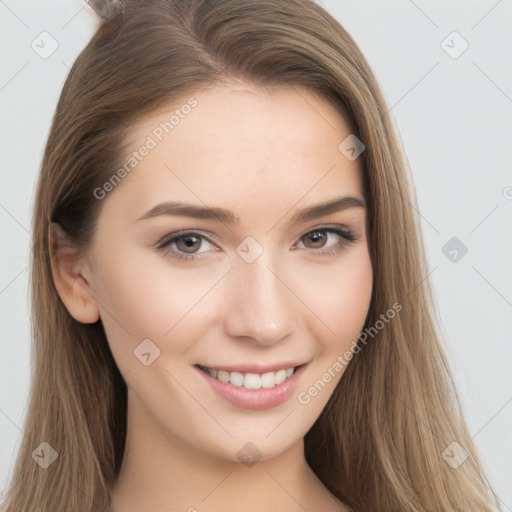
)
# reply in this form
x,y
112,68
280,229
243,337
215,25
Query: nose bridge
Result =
x,y
260,307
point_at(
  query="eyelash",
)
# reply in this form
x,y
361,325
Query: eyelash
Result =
x,y
164,243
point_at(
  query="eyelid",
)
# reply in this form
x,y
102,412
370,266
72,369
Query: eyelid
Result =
x,y
169,237
330,227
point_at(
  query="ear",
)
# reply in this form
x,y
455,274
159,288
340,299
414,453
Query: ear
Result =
x,y
67,262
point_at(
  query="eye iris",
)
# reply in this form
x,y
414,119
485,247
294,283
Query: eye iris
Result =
x,y
188,243
318,239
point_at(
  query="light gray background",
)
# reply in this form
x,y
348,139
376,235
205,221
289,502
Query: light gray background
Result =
x,y
454,115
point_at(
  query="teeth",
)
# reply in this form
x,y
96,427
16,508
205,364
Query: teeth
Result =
x,y
236,378
250,380
222,376
267,380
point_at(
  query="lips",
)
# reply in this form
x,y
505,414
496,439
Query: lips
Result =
x,y
253,386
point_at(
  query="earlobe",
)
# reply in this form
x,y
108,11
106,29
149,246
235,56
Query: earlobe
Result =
x,y
67,262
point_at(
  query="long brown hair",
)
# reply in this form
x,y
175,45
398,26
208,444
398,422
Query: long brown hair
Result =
x,y
378,443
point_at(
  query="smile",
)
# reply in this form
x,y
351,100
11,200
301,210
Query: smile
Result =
x,y
255,388
250,380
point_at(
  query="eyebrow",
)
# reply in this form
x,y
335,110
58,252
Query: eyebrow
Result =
x,y
228,217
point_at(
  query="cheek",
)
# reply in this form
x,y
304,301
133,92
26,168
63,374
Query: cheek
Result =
x,y
340,298
150,300
342,303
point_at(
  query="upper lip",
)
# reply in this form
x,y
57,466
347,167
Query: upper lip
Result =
x,y
254,367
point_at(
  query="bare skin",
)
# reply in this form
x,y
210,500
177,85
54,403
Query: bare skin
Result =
x,y
265,156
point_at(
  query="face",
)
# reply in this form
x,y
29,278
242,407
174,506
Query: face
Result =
x,y
231,268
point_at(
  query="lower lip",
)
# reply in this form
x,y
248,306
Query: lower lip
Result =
x,y
263,398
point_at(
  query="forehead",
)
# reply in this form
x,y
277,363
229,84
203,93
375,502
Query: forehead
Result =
x,y
234,144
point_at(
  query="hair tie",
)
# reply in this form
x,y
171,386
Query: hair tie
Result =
x,y
104,9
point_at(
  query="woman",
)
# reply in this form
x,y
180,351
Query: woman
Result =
x,y
229,295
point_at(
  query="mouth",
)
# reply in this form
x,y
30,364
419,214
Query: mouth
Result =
x,y
250,380
256,388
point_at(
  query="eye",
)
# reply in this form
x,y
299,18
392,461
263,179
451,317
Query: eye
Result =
x,y
186,244
191,244
322,238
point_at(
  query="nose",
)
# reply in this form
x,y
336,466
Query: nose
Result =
x,y
260,306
